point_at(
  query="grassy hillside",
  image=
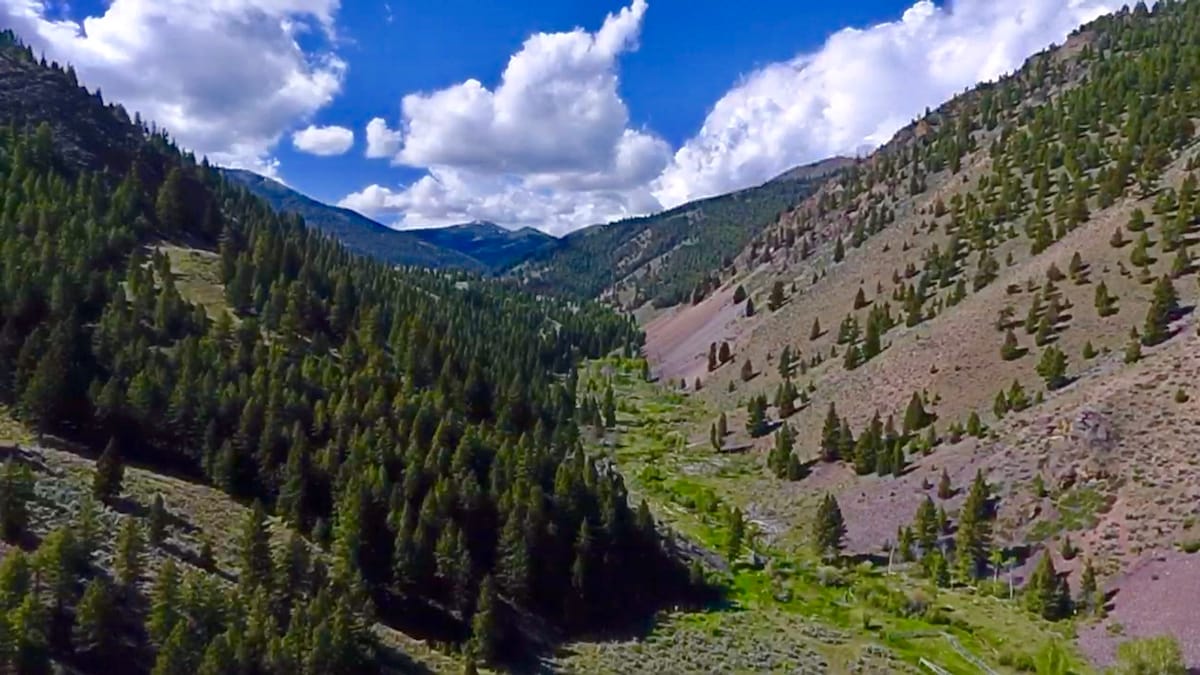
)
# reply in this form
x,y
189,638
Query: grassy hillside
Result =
x,y
666,257
1015,208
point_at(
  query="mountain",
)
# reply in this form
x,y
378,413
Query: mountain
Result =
x,y
496,247
666,257
233,445
359,233
934,413
994,312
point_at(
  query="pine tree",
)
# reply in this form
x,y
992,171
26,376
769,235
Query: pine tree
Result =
x,y
785,363
756,419
1000,405
254,549
974,425
712,357
164,603
1053,367
944,489
30,626
925,525
110,471
485,624
973,538
157,521
16,491
130,549
829,528
610,408
1046,593
1011,349
95,620
776,299
1163,305
725,354
831,436
1017,399
169,206
735,534
175,656
915,416
815,332
1089,594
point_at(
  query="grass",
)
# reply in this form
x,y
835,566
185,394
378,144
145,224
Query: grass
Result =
x,y
11,429
1078,509
838,618
198,277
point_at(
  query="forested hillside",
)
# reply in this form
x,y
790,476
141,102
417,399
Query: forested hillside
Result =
x,y
673,256
359,234
498,248
419,428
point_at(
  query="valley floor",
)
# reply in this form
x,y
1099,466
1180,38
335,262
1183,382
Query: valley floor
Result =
x,y
785,609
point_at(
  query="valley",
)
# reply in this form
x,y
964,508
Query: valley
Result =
x,y
933,409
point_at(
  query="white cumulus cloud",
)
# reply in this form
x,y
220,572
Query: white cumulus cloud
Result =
x,y
381,140
861,87
551,145
227,78
323,141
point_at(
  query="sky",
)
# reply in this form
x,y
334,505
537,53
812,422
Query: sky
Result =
x,y
555,114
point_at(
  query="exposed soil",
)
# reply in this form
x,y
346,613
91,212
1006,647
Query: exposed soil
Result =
x,y
1159,595
677,343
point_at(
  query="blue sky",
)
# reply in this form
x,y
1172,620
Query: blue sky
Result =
x,y
690,53
550,114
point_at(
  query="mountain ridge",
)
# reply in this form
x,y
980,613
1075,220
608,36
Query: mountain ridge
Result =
x,y
359,233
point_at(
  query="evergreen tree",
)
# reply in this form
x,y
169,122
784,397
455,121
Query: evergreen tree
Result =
x,y
756,416
915,416
95,620
829,528
1163,305
110,471
130,549
30,627
735,534
157,521
973,538
1089,593
1053,367
485,624
610,408
16,491
831,436
254,549
1046,593
776,299
164,603
925,526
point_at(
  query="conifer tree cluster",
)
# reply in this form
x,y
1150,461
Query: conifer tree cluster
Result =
x,y
422,425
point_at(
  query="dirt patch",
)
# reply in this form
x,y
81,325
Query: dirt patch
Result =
x,y
1157,596
677,343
